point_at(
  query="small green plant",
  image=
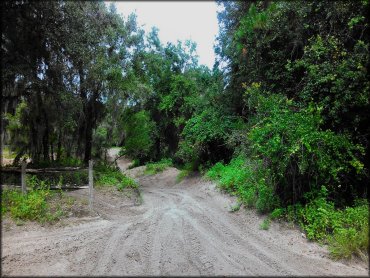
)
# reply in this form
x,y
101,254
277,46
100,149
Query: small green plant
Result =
x,y
235,207
157,167
127,182
277,214
30,206
265,225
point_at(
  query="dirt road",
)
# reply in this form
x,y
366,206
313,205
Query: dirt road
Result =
x,y
180,229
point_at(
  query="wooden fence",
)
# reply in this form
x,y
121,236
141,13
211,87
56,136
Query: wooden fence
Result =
x,y
23,170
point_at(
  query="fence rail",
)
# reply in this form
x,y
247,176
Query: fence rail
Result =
x,y
42,170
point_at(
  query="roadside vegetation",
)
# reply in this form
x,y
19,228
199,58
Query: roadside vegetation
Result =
x,y
280,121
157,167
109,175
39,203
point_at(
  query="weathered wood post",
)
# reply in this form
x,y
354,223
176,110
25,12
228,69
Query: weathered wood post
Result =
x,y
23,177
91,185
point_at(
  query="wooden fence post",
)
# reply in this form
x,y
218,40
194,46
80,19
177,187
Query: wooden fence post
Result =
x,y
23,177
91,185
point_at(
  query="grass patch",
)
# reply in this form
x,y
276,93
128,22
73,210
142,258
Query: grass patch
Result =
x,y
107,175
265,225
235,207
157,167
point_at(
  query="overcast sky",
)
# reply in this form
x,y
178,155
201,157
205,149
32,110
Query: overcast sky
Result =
x,y
195,20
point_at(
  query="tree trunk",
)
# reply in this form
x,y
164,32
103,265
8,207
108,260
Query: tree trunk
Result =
x,y
83,118
59,146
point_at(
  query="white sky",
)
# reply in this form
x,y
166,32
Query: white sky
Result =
x,y
195,20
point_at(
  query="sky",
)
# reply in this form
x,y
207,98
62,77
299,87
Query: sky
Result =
x,y
178,20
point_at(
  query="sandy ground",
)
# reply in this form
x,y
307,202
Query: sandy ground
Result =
x,y
180,229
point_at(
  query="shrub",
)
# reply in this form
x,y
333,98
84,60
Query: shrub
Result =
x,y
295,150
351,232
245,178
205,134
127,182
265,225
215,172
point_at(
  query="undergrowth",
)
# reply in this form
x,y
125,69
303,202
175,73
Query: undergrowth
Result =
x,y
344,230
36,205
157,167
107,175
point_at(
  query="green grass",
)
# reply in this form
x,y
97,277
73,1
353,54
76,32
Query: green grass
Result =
x,y
107,175
41,204
265,225
157,167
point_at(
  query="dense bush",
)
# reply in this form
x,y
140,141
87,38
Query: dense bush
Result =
x,y
300,155
248,180
140,133
204,137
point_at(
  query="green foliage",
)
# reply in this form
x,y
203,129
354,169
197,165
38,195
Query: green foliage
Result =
x,y
248,180
140,133
317,216
31,206
265,225
351,236
107,175
127,182
277,213
157,167
335,79
345,230
34,205
235,207
204,133
293,145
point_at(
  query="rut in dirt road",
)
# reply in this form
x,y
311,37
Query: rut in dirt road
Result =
x,y
180,229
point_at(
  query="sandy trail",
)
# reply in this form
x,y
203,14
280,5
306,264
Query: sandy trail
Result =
x,y
180,229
